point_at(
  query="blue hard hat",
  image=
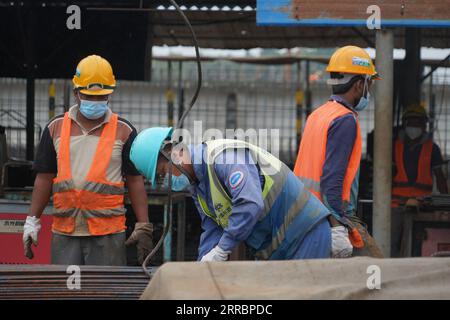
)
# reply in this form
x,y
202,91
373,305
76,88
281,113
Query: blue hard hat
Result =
x,y
145,150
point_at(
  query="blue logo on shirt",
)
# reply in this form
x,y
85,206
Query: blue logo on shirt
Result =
x,y
236,179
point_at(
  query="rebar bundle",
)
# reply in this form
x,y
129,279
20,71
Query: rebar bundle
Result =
x,y
53,282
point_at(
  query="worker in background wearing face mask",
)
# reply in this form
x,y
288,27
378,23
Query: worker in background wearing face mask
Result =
x,y
417,159
330,150
83,156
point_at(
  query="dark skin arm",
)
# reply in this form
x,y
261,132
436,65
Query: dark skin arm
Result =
x,y
41,193
138,197
441,182
333,222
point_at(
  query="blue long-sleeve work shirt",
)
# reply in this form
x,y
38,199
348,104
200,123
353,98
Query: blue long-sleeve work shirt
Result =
x,y
241,178
341,139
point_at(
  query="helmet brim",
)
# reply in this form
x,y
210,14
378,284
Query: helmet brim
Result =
x,y
376,76
101,92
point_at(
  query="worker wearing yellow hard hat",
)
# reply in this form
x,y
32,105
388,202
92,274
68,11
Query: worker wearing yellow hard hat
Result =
x,y
83,157
418,164
94,76
330,149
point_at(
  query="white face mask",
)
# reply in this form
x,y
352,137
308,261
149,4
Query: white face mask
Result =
x,y
413,132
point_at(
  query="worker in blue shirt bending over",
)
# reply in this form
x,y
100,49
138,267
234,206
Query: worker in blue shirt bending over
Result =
x,y
242,193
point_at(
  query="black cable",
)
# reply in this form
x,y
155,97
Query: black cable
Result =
x,y
179,125
199,65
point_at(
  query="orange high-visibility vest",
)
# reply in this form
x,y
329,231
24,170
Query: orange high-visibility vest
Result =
x,y
100,201
402,190
312,151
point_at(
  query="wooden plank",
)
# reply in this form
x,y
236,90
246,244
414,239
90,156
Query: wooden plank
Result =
x,y
394,13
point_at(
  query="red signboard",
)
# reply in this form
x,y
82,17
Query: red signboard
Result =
x,y
436,240
11,245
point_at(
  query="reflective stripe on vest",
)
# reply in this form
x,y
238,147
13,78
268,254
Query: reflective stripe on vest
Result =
x,y
100,201
275,174
281,232
312,150
401,188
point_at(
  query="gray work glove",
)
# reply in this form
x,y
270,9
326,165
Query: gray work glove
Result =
x,y
143,239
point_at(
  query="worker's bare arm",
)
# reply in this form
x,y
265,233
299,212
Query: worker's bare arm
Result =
x,y
41,193
138,197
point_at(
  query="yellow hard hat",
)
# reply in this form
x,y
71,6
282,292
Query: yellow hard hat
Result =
x,y
415,111
94,76
352,60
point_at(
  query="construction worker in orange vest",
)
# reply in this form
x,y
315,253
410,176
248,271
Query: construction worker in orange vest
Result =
x,y
330,150
416,159
83,156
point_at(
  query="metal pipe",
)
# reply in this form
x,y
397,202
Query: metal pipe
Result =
x,y
298,106
384,93
181,230
30,116
432,106
180,90
170,96
51,100
308,101
30,69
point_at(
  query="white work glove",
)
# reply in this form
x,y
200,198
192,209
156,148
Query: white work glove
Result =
x,y
216,254
341,247
30,234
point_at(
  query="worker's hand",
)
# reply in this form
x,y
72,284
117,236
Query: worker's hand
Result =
x,y
216,254
341,247
142,237
30,235
412,202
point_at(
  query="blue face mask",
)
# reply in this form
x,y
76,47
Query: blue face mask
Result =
x,y
364,100
363,103
93,109
179,183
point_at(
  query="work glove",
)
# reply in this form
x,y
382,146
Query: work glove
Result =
x,y
341,247
31,230
142,237
216,254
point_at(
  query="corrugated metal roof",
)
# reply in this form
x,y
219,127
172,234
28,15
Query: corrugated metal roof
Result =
x,y
139,3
